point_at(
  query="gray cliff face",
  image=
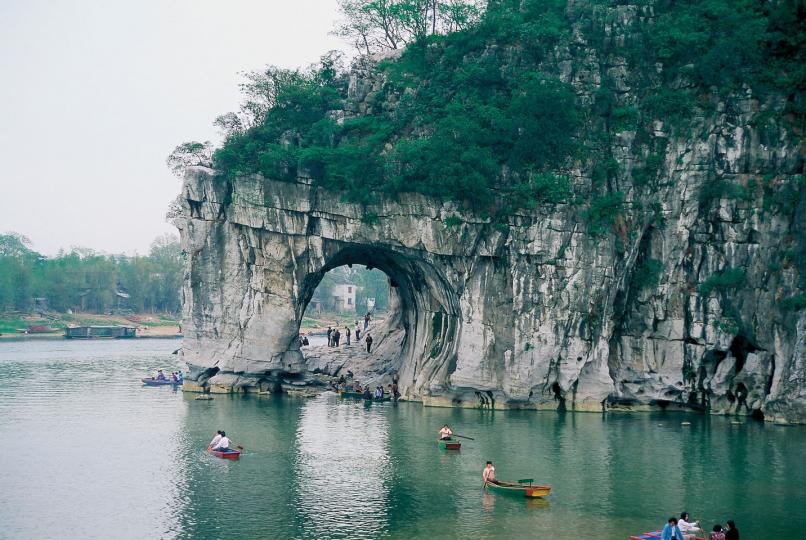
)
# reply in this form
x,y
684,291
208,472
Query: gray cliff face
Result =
x,y
680,306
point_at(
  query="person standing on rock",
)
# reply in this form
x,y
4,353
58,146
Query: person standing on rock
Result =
x,y
357,333
336,337
329,337
368,339
347,332
366,320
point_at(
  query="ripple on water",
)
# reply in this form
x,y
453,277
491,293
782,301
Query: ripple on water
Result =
x,y
107,458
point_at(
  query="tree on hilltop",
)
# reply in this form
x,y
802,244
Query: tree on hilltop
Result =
x,y
380,25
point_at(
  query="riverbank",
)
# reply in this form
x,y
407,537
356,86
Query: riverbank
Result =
x,y
320,323
51,325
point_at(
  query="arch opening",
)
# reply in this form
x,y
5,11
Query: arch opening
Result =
x,y
418,330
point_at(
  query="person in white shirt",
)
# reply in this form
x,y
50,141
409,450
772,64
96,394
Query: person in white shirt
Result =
x,y
215,440
223,443
445,433
488,474
688,528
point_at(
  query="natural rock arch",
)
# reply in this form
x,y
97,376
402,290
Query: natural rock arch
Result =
x,y
425,307
528,312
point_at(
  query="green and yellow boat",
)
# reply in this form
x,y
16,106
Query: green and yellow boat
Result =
x,y
521,488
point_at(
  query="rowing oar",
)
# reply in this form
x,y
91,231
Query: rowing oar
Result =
x,y
463,437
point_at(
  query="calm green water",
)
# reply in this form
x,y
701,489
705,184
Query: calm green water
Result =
x,y
94,454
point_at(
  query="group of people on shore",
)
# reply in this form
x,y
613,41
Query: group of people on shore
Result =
x,y
334,335
683,529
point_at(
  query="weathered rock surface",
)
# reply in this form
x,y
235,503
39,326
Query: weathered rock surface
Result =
x,y
537,313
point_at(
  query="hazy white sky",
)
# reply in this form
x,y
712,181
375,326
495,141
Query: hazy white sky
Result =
x,y
94,94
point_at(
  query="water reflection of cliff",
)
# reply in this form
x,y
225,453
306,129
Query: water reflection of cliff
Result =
x,y
342,468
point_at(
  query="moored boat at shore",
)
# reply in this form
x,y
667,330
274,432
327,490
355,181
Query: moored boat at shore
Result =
x,y
350,394
360,395
521,488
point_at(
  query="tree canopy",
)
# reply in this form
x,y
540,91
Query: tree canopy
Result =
x,y
475,107
84,280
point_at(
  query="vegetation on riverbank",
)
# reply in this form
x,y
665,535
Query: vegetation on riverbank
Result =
x,y
82,280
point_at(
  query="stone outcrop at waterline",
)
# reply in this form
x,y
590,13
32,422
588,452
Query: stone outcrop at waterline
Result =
x,y
537,314
685,301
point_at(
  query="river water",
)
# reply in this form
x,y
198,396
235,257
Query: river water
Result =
x,y
91,453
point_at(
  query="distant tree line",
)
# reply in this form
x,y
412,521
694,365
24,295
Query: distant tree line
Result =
x,y
84,280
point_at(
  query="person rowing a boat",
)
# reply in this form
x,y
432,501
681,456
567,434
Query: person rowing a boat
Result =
x,y
160,375
445,433
488,474
215,440
223,444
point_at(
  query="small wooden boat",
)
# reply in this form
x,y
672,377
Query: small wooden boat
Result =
x,y
449,444
232,454
150,381
653,535
521,488
350,394
384,398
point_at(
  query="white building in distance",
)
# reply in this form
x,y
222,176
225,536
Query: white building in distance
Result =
x,y
344,297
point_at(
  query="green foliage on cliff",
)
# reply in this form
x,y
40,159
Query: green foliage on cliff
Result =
x,y
795,303
482,115
730,278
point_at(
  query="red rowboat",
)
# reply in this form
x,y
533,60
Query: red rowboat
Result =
x,y
232,454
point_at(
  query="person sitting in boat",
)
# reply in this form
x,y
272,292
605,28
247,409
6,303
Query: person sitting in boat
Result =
x,y
688,528
717,533
223,444
215,440
179,377
367,393
488,474
732,533
445,433
378,392
671,531
174,377
160,375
